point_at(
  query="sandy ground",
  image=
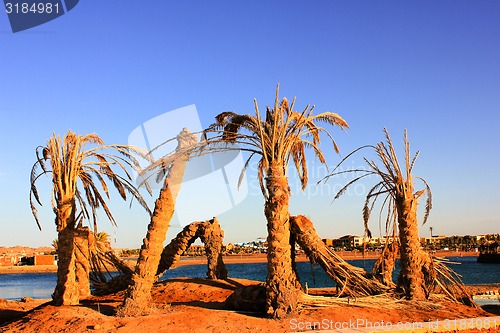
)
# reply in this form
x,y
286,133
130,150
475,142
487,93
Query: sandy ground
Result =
x,y
197,305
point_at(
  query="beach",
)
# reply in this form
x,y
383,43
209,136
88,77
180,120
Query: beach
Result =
x,y
198,305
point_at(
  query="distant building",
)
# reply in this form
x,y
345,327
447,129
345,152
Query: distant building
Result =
x,y
44,259
350,241
433,240
39,260
9,260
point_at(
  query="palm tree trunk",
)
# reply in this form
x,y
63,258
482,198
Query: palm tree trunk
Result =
x,y
66,292
384,266
281,286
212,235
82,255
173,251
411,278
138,295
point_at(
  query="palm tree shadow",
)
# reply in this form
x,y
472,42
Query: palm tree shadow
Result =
x,y
107,308
228,284
8,316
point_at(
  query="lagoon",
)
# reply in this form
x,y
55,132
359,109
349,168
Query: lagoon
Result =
x,y
39,286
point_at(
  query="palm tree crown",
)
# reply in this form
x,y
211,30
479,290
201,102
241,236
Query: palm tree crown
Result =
x,y
72,167
282,135
396,184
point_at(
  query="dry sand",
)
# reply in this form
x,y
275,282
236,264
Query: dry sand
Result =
x,y
197,305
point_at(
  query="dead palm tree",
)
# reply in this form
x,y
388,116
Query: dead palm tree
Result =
x,y
396,187
138,295
420,274
71,165
282,135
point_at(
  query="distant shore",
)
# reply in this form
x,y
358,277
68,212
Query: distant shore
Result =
x,y
232,259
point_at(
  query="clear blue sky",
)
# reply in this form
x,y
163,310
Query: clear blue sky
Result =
x,y
431,67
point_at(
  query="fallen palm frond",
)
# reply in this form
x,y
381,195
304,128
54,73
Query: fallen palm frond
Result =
x,y
450,283
382,301
108,272
350,280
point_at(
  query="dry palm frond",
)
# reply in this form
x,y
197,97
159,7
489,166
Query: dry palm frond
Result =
x,y
350,280
383,301
105,267
71,165
283,135
450,283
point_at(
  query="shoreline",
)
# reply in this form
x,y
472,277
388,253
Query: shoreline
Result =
x,y
230,259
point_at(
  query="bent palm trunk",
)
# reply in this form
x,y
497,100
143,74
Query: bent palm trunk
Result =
x,y
173,251
281,285
211,235
138,295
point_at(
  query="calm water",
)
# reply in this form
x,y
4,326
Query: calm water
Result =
x,y
16,286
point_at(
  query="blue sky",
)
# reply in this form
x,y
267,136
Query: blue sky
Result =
x,y
108,66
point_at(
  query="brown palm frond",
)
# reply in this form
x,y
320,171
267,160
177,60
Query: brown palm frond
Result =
x,y
70,162
245,166
344,189
280,136
397,186
350,280
428,202
367,207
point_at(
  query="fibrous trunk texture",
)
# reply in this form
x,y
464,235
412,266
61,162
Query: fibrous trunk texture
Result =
x,y
414,260
82,254
281,285
212,236
138,295
66,292
173,251
384,266
350,280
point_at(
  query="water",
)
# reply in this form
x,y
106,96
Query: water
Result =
x,y
16,286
